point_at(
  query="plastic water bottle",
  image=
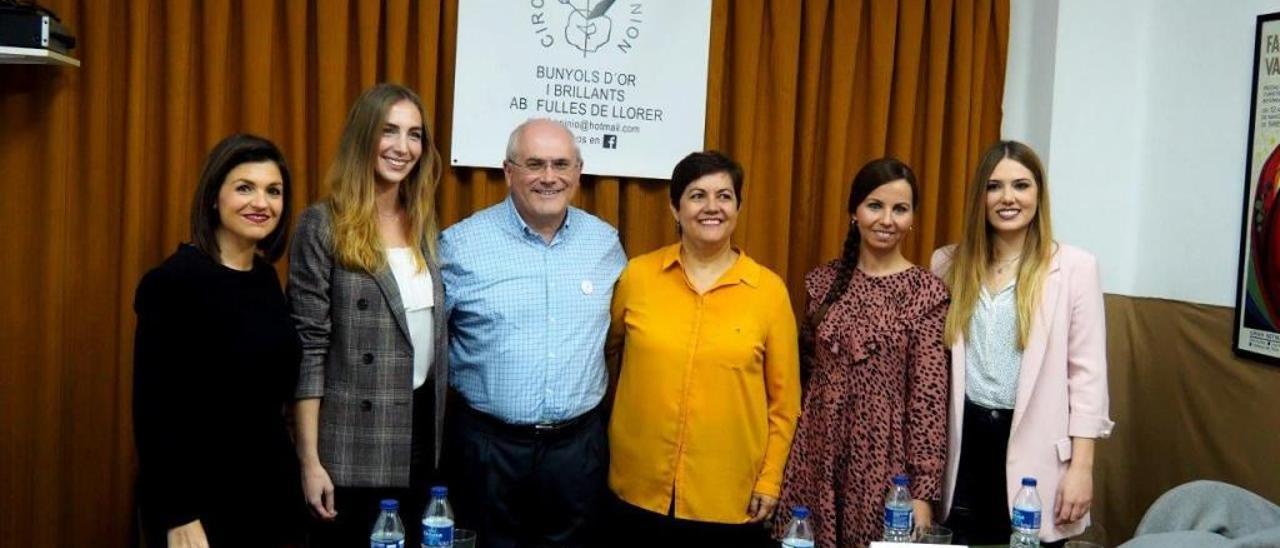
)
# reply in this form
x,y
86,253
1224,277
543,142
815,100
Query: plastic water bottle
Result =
x,y
388,532
799,534
437,521
898,511
1026,516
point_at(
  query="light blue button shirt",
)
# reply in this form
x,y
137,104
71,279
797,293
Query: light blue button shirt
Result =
x,y
527,318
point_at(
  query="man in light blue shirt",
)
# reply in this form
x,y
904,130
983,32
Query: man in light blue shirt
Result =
x,y
527,289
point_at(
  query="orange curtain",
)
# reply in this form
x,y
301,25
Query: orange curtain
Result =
x,y
99,164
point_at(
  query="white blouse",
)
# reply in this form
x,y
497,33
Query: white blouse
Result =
x,y
991,355
418,297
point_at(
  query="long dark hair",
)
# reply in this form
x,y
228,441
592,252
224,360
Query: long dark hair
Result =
x,y
241,148
872,176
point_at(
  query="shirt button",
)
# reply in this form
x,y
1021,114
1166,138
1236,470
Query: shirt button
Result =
x,y
367,358
551,355
366,405
995,414
362,304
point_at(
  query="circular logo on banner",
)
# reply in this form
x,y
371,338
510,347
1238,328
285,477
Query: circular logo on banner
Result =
x,y
587,26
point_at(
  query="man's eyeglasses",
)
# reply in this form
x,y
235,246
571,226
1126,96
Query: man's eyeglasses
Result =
x,y
537,165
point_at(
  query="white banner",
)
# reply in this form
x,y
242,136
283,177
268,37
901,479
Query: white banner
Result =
x,y
628,77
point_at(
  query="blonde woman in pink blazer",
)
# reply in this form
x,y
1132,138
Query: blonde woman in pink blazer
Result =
x,y
1028,345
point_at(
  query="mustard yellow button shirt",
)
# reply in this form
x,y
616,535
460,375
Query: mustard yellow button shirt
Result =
x,y
709,391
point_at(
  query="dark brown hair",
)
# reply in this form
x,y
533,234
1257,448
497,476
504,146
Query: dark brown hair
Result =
x,y
872,176
700,164
229,153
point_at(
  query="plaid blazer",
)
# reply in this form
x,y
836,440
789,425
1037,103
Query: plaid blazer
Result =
x,y
357,357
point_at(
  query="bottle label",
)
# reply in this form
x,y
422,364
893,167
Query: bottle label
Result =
x,y
897,518
437,536
797,543
1025,518
386,544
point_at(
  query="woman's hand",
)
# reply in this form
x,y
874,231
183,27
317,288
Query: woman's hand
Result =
x,y
190,535
923,513
1075,494
761,507
318,489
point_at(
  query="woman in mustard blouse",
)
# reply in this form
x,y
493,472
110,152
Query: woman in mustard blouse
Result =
x,y
709,390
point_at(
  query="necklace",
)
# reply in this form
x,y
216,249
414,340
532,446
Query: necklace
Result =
x,y
1002,265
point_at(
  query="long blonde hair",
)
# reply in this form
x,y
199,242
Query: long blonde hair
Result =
x,y
356,242
968,271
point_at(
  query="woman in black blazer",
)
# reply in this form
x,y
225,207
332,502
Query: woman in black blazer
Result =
x,y
367,299
215,361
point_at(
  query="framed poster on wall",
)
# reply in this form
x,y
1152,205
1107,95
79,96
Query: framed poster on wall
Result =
x,y
1257,319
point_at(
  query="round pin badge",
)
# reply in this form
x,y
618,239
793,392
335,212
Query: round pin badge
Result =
x,y
587,287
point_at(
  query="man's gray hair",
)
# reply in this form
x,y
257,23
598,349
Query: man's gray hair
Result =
x,y
513,140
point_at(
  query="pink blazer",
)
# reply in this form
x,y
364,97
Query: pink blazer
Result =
x,y
1062,385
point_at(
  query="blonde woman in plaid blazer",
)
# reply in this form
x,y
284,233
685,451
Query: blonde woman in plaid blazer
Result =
x,y
367,298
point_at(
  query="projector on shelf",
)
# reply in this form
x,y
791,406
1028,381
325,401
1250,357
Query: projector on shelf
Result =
x,y
34,27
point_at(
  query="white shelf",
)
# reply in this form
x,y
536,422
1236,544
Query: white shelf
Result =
x,y
35,56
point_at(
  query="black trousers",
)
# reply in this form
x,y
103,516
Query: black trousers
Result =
x,y
527,487
634,527
980,505
358,507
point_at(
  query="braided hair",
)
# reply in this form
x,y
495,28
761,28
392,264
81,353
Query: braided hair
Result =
x,y
872,176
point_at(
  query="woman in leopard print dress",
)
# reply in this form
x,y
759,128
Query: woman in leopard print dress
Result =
x,y
876,372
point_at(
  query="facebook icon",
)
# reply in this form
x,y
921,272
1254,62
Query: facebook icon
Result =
x,y
610,140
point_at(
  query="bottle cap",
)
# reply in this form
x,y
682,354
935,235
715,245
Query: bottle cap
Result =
x,y
1028,482
439,491
900,479
799,512
389,505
